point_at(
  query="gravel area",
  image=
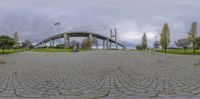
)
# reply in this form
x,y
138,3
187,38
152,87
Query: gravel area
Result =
x,y
100,74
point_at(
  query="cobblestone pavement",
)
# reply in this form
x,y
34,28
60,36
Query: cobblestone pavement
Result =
x,y
99,74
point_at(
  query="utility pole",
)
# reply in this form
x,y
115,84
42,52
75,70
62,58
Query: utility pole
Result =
x,y
57,24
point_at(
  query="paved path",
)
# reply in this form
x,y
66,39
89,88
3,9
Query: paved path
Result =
x,y
102,74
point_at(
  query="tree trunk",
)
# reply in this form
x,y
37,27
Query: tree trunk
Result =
x,y
193,47
3,49
185,50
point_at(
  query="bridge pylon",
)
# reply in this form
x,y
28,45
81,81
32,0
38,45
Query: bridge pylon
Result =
x,y
114,36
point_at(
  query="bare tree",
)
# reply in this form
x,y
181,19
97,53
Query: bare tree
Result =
x,y
156,44
27,44
184,43
95,43
74,43
89,42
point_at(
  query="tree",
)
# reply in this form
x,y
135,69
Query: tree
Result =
x,y
184,43
144,41
95,43
165,37
198,42
156,44
89,42
6,42
16,38
74,43
85,43
27,44
59,46
192,35
139,47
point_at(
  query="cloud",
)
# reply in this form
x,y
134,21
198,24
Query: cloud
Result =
x,y
34,19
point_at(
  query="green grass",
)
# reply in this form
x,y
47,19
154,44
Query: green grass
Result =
x,y
9,51
180,51
134,50
56,50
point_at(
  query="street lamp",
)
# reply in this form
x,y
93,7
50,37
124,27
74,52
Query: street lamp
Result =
x,y
154,45
57,24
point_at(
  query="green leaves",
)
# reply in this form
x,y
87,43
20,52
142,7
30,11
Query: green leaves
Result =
x,y
144,41
193,32
165,36
6,41
198,42
192,35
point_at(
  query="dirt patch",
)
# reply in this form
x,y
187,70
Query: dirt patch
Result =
x,y
2,61
198,63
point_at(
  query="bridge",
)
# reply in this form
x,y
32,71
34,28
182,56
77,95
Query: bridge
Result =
x,y
106,41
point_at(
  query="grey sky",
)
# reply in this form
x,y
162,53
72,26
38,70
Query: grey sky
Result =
x,y
34,19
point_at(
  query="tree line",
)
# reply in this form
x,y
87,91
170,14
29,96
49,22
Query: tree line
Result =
x,y
7,42
164,42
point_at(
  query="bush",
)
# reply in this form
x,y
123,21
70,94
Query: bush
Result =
x,y
59,46
139,47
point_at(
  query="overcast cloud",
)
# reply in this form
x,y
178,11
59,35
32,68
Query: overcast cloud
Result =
x,y
34,19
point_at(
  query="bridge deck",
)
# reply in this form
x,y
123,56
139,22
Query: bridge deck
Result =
x,y
79,34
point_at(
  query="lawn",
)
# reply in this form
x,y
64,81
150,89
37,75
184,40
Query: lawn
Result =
x,y
55,50
134,50
180,51
9,51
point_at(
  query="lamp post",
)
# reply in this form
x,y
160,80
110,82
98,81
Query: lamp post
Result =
x,y
155,42
57,24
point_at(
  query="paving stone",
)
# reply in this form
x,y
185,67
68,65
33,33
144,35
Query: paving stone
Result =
x,y
99,73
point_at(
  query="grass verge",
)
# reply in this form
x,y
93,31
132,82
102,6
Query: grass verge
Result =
x,y
180,51
9,51
56,50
